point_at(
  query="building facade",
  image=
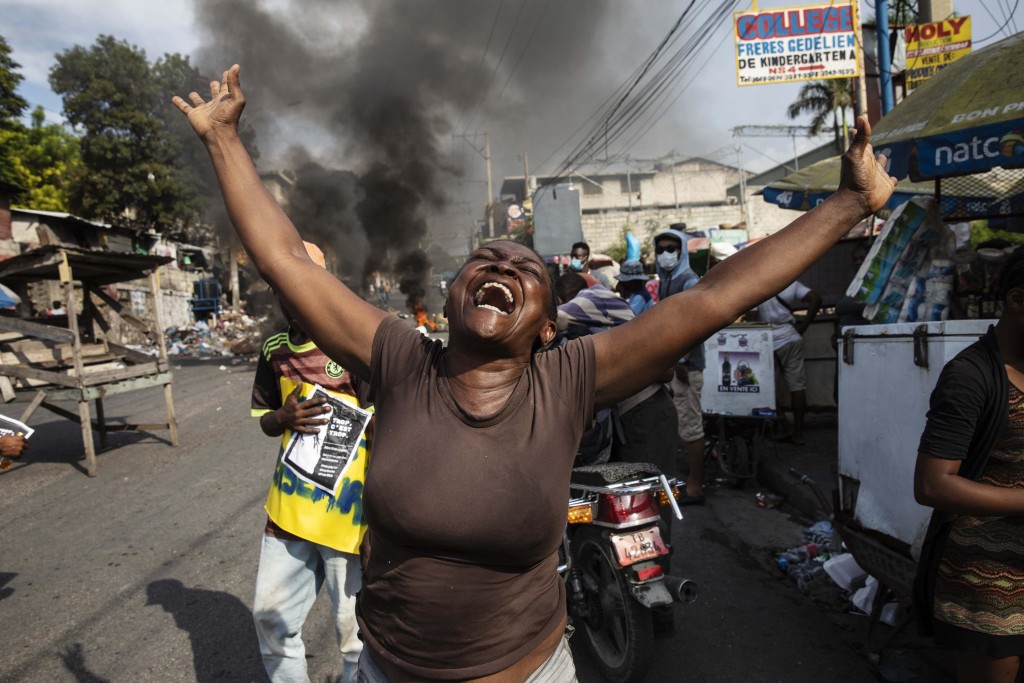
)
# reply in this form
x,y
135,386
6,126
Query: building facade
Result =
x,y
699,192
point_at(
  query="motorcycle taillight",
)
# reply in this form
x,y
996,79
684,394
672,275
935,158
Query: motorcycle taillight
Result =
x,y
627,508
663,498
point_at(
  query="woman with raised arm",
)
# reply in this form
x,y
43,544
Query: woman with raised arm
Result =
x,y
468,483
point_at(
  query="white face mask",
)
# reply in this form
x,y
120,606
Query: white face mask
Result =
x,y
668,260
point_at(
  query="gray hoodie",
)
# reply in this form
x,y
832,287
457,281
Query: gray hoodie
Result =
x,y
678,280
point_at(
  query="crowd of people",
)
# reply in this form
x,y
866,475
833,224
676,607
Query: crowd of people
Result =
x,y
427,590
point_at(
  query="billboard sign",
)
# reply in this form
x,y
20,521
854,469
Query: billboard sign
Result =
x,y
933,46
556,219
784,45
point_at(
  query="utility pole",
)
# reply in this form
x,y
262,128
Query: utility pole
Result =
x,y
490,187
526,177
629,188
884,61
862,81
742,176
485,152
675,191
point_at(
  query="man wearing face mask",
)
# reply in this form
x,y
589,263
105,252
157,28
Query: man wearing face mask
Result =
x,y
675,275
579,261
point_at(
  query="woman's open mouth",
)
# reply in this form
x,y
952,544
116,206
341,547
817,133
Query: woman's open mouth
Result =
x,y
495,297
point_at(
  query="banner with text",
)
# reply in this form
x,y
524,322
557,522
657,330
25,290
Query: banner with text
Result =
x,y
933,46
784,45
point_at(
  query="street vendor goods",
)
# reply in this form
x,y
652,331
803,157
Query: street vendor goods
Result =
x,y
898,280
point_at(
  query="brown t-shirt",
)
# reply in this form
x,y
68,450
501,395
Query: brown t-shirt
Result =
x,y
465,515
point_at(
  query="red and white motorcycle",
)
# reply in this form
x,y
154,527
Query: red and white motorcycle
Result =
x,y
616,561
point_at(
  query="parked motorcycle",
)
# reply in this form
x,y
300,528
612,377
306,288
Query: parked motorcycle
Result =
x,y
616,561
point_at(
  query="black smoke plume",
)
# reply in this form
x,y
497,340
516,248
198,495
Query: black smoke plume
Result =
x,y
414,268
376,87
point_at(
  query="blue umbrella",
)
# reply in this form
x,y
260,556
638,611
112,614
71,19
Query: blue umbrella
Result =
x,y
997,192
968,118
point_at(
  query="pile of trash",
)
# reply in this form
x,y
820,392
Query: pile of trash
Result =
x,y
230,334
831,576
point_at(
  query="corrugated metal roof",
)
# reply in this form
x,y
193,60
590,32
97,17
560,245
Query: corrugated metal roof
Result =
x,y
60,214
97,267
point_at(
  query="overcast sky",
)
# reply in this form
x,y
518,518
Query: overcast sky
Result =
x,y
583,50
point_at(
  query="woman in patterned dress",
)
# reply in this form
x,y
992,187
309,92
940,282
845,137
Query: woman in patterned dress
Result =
x,y
970,468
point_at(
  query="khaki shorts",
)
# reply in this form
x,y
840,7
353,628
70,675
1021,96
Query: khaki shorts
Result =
x,y
791,362
687,400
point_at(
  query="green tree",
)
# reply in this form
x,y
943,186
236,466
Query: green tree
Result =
x,y
115,97
824,100
174,74
12,105
41,159
11,108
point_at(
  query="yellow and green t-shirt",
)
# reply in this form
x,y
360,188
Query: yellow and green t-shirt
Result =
x,y
293,505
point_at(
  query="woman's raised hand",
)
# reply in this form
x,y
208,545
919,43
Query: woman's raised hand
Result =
x,y
863,174
221,113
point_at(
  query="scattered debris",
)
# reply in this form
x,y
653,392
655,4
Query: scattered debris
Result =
x,y
230,334
767,500
831,576
805,565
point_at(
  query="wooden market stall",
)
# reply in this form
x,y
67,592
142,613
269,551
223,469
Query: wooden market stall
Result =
x,y
48,363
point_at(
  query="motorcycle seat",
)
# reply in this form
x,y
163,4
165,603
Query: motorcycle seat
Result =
x,y
612,473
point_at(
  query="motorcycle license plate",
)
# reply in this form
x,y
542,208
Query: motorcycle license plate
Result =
x,y
638,546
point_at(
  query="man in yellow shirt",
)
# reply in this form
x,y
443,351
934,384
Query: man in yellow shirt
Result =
x,y
312,537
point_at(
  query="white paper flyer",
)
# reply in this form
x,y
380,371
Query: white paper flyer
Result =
x,y
321,458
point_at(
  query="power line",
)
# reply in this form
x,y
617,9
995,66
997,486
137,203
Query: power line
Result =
x,y
1000,29
487,47
602,130
679,92
639,100
494,74
515,66
601,110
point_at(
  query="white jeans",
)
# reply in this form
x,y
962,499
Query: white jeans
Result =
x,y
558,668
289,578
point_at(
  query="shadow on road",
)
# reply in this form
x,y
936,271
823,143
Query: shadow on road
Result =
x,y
219,627
5,590
74,661
60,441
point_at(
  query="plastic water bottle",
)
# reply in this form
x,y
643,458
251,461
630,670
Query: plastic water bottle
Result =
x,y
799,554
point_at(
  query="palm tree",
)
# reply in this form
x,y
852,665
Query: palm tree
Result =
x,y
821,98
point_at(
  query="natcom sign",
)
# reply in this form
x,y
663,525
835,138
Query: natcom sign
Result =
x,y
930,47
783,45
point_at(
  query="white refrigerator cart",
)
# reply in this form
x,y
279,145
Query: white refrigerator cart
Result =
x,y
886,376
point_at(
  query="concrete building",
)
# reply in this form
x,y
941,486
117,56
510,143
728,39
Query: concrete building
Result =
x,y
23,229
700,192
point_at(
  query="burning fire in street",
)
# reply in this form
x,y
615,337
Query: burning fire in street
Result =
x,y
422,318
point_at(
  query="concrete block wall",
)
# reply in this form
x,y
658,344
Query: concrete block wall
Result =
x,y
176,308
180,280
766,218
601,231
134,296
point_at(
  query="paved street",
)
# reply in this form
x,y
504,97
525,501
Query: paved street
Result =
x,y
145,572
